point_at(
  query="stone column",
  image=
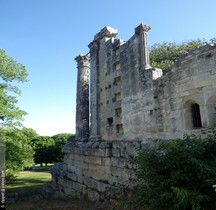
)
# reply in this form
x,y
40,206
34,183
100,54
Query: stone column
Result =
x,y
82,100
142,32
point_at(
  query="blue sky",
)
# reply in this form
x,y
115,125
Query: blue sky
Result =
x,y
46,36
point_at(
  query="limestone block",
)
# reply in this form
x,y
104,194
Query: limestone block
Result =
x,y
95,184
99,168
96,152
65,167
80,179
95,174
79,187
116,152
122,173
72,176
131,149
93,159
119,162
71,156
213,80
185,86
106,161
75,169
93,195
185,93
80,164
202,80
78,157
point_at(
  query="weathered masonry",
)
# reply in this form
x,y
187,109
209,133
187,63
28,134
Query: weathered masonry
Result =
x,y
123,102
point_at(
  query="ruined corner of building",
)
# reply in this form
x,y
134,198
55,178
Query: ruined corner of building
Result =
x,y
123,103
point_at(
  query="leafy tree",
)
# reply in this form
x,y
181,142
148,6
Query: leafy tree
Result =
x,y
44,147
178,174
163,55
31,133
19,153
10,72
60,141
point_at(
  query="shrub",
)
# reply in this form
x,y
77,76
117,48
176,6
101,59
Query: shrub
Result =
x,y
178,174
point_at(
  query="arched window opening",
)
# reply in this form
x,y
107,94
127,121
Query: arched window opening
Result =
x,y
196,117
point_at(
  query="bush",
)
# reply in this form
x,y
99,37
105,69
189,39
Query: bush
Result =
x,y
178,174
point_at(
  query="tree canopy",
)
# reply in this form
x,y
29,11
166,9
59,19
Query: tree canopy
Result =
x,y
163,55
44,147
60,140
10,72
19,153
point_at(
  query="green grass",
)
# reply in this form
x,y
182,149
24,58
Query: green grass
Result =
x,y
29,183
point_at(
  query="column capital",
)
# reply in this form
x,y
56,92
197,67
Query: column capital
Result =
x,y
142,28
82,57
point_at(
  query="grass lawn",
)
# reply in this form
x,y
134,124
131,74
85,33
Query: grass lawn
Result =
x,y
29,186
29,183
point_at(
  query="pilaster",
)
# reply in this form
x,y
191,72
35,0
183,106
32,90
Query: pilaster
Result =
x,y
94,91
95,112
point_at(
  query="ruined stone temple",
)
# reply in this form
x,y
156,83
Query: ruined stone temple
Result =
x,y
123,103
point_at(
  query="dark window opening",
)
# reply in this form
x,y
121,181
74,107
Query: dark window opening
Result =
x,y
118,112
119,128
196,117
110,121
117,96
117,80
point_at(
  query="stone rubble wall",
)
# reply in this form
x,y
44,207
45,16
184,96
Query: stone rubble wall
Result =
x,y
95,168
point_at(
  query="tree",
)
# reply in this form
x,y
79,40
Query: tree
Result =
x,y
31,133
178,174
60,141
44,147
163,55
10,71
19,153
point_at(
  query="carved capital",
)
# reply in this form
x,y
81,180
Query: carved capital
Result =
x,y
142,28
81,58
82,61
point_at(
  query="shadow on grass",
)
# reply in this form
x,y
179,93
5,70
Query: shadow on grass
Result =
x,y
29,183
26,192
41,169
29,180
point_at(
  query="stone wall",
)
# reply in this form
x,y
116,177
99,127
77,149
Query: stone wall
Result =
x,y
96,169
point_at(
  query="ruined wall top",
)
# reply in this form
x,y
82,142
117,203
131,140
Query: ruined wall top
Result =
x,y
106,32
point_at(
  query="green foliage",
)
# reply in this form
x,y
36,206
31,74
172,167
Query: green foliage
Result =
x,y
19,153
178,174
10,71
48,149
31,133
44,147
60,141
163,55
